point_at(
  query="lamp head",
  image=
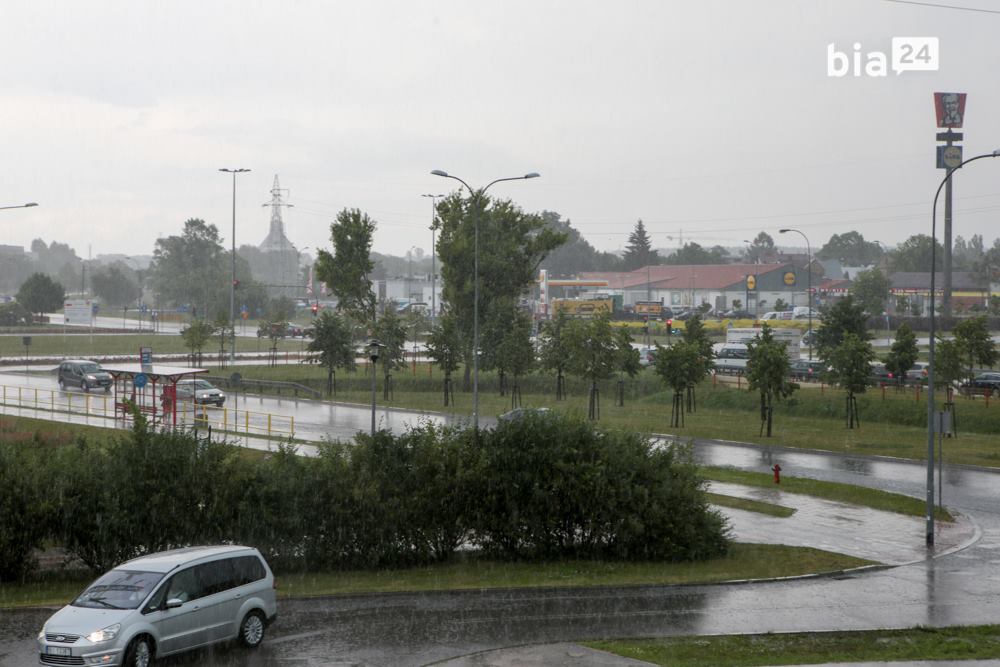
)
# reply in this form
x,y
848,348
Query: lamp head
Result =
x,y
533,174
30,204
373,349
438,172
782,231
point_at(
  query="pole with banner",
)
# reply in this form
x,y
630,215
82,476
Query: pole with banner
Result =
x,y
949,108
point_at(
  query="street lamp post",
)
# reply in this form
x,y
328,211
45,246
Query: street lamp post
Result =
x,y
809,282
434,227
475,281
232,283
373,351
930,353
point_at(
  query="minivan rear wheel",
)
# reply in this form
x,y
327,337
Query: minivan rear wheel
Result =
x,y
252,629
139,652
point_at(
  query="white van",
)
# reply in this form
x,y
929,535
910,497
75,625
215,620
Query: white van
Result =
x,y
162,604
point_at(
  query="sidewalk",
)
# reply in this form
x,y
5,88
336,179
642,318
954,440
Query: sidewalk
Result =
x,y
884,537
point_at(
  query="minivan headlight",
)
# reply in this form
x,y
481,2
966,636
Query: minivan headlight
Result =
x,y
105,635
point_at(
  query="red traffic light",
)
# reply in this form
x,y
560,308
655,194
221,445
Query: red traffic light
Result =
x,y
670,323
315,308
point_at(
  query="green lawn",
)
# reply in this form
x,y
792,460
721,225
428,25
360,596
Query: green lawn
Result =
x,y
844,493
802,648
891,424
745,561
84,345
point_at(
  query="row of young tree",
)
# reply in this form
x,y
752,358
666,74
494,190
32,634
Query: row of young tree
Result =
x,y
547,486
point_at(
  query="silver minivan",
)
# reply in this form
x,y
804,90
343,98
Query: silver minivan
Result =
x,y
162,604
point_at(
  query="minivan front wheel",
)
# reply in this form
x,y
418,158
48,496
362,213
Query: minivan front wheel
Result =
x,y
139,652
252,629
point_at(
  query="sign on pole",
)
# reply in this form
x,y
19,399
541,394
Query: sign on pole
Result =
x,y
950,109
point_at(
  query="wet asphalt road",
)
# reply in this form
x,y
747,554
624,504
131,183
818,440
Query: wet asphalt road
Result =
x,y
959,588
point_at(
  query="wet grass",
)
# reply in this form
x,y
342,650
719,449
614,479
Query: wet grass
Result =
x,y
745,561
750,505
84,345
953,643
467,572
891,426
844,493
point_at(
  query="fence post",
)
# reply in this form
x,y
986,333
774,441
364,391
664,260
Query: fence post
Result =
x,y
246,417
293,425
269,423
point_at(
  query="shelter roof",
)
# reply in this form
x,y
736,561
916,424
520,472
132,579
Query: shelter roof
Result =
x,y
156,372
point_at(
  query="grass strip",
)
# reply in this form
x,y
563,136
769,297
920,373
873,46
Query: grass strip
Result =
x,y
750,505
977,642
845,493
468,572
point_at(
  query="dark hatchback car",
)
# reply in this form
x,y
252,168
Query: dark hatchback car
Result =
x,y
84,374
983,383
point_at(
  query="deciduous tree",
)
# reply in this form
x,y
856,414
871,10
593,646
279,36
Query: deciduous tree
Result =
x,y
40,294
332,347
347,270
767,372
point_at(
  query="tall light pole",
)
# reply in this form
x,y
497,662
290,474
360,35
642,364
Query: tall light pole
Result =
x,y
434,228
930,354
756,301
232,283
373,352
475,281
809,279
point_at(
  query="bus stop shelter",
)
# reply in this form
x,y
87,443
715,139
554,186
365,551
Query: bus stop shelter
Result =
x,y
152,388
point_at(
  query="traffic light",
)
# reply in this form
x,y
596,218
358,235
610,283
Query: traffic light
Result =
x,y
670,327
315,309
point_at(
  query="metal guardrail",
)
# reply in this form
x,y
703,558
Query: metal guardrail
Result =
x,y
292,387
232,420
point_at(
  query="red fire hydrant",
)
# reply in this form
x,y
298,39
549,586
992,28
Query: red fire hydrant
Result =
x,y
777,473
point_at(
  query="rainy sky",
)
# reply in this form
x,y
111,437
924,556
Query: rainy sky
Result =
x,y
709,120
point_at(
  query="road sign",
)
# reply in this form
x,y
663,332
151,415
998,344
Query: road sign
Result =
x,y
949,157
139,381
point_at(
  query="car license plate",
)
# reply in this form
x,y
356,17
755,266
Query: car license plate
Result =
x,y
57,650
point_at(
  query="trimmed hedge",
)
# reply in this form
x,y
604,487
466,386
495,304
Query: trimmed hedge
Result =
x,y
545,486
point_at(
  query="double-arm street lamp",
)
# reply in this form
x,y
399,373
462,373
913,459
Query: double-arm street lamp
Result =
x,y
809,282
232,283
434,228
475,281
930,354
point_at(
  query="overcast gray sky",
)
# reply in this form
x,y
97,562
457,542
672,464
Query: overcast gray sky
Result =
x,y
711,120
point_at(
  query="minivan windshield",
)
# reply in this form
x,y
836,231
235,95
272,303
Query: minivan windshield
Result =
x,y
90,368
118,589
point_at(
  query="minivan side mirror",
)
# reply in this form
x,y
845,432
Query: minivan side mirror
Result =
x,y
173,603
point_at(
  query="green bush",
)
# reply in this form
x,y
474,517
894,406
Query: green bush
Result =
x,y
23,511
556,487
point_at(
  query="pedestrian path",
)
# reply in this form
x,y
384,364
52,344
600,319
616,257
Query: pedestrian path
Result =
x,y
862,532
883,537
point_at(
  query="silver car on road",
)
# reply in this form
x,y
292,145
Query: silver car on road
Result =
x,y
162,604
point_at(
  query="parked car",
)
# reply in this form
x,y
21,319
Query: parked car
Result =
x,y
776,315
803,369
84,374
880,374
917,374
647,357
162,604
200,391
738,315
983,383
